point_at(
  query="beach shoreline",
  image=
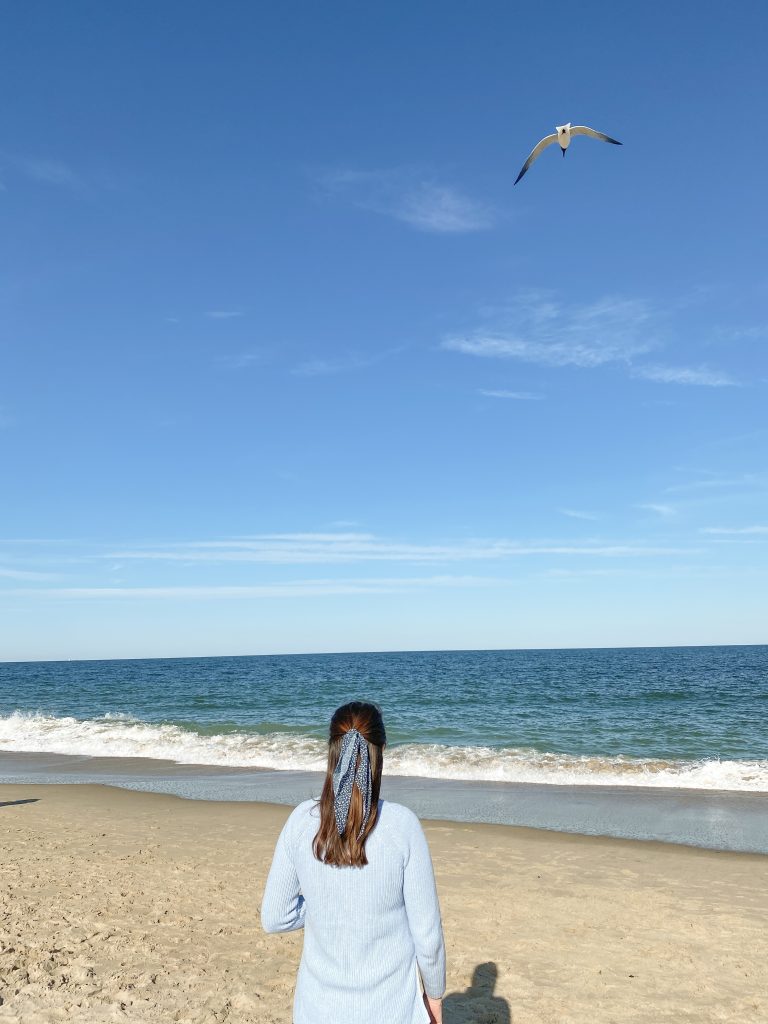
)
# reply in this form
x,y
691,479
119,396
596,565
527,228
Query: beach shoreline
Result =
x,y
701,818
119,904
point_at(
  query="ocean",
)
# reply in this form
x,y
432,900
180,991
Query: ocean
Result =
x,y
525,737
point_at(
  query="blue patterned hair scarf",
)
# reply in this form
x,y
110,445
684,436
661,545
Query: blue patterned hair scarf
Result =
x,y
347,774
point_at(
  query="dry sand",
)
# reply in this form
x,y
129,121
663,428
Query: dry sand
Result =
x,y
122,906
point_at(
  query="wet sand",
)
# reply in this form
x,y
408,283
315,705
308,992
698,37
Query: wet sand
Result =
x,y
713,819
128,906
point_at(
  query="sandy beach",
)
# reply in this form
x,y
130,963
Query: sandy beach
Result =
x,y
118,905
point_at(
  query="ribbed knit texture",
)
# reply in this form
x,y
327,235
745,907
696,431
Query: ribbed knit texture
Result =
x,y
365,929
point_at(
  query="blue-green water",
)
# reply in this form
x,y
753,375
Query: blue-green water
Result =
x,y
688,718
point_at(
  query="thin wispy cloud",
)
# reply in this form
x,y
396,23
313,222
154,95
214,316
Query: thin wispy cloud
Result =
x,y
754,333
713,482
345,548
733,440
665,511
342,364
327,367
223,314
573,513
43,541
302,588
424,204
517,396
23,574
438,208
674,571
734,531
240,360
47,172
536,329
700,376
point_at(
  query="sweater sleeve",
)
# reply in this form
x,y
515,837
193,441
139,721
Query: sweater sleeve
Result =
x,y
423,910
283,906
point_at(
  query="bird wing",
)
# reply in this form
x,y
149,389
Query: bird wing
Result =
x,y
581,129
536,151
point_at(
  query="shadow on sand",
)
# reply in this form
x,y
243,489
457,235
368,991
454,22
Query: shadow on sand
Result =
x,y
478,1003
15,803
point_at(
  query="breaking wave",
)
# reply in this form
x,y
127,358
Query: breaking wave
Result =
x,y
119,735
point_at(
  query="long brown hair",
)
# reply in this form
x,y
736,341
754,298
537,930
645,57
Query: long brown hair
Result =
x,y
348,850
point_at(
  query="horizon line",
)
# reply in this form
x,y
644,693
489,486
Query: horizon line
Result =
x,y
399,650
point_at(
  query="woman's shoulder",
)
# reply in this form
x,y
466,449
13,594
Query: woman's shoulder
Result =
x,y
306,809
398,814
302,816
399,823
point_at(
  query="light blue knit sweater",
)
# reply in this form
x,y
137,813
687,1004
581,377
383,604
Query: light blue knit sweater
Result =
x,y
366,930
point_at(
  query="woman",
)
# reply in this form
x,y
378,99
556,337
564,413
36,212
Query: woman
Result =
x,y
355,872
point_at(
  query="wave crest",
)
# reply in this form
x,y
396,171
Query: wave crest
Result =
x,y
116,735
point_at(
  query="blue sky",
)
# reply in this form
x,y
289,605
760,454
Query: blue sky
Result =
x,y
287,364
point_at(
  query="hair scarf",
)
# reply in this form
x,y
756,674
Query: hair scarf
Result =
x,y
347,774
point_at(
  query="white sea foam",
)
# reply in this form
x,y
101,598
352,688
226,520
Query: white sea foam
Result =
x,y
117,735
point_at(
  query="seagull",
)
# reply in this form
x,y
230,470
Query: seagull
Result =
x,y
562,135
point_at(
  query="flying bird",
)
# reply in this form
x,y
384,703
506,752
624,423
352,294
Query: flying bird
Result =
x,y
562,135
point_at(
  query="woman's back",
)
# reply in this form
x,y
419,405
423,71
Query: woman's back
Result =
x,y
367,929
